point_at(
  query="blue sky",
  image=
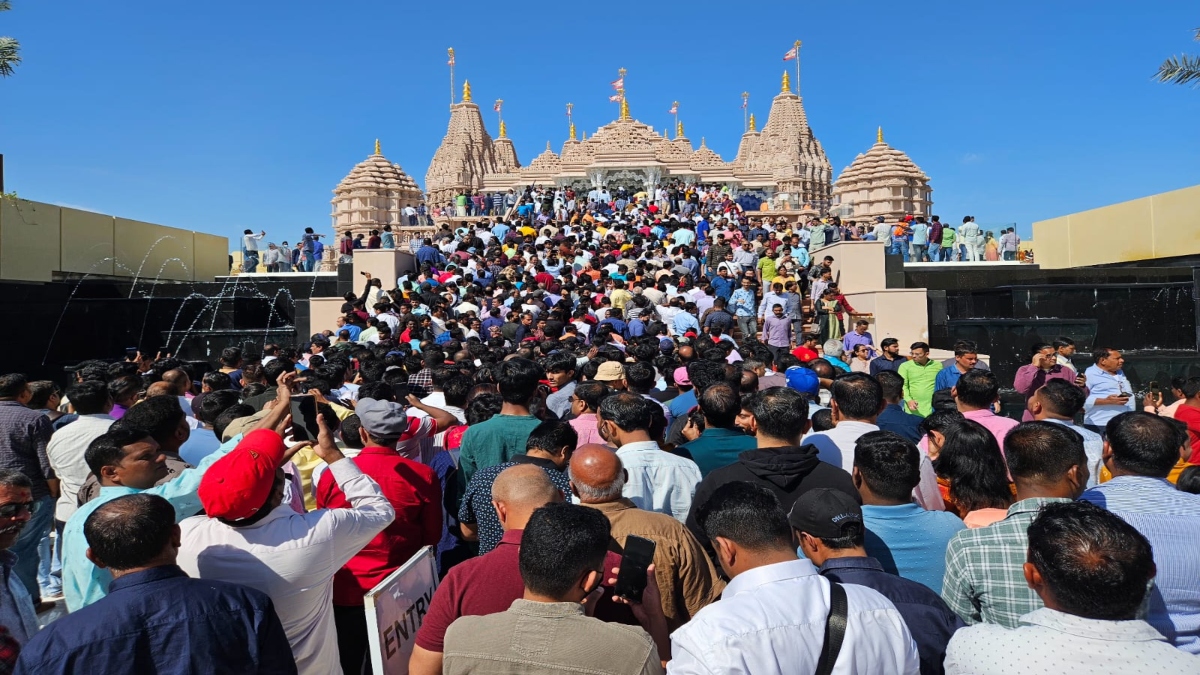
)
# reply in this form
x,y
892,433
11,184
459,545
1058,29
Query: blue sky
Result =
x,y
224,115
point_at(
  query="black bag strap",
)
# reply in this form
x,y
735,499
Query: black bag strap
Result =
x,y
835,629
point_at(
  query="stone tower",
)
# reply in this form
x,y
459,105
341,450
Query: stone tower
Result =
x,y
882,182
466,155
372,195
785,155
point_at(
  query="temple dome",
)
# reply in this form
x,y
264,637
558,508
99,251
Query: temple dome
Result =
x,y
372,195
705,158
884,182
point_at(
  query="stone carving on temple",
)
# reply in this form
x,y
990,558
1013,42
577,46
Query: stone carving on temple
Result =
x,y
882,182
372,195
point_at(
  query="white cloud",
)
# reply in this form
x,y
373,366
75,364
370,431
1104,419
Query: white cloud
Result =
x,y
971,158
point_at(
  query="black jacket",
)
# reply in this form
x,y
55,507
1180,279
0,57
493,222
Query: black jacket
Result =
x,y
788,472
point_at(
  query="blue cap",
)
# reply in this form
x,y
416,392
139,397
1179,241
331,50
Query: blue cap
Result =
x,y
803,380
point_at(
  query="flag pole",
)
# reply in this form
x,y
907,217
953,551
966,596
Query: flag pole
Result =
x,y
450,51
675,107
745,111
499,111
797,45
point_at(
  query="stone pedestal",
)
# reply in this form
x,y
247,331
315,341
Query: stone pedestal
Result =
x,y
857,265
385,264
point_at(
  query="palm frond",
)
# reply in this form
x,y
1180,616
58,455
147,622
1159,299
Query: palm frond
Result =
x,y
9,55
1197,33
1180,70
5,5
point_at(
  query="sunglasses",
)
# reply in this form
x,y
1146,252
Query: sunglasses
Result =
x,y
12,510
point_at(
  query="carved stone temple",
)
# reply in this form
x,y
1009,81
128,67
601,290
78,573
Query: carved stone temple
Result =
x,y
783,160
779,169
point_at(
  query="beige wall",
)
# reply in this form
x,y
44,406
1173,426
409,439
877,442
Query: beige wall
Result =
x,y
385,264
900,313
39,240
857,265
322,314
1158,226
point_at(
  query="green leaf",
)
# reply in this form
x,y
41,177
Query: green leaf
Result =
x,y
1180,70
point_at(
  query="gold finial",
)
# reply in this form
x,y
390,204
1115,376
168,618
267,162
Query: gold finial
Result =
x,y
702,142
466,91
678,130
621,72
753,124
377,147
787,84
548,146
879,135
503,129
572,131
797,44
624,108
585,135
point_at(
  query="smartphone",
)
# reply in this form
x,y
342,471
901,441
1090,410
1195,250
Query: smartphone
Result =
x,y
637,557
304,417
131,353
1153,387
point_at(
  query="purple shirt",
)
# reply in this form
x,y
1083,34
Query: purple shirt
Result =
x,y
853,339
1030,378
777,331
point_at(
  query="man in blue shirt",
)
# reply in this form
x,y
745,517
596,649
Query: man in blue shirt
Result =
x,y
906,539
722,284
964,360
500,231
829,525
894,418
155,618
429,255
1140,450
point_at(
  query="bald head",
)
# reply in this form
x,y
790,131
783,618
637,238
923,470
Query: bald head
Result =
x,y
519,491
178,380
163,388
597,474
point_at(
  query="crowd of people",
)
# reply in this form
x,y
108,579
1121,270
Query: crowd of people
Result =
x,y
525,404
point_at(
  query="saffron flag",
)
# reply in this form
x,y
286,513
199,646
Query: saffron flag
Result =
x,y
674,109
618,84
496,107
614,98
745,103
791,54
451,61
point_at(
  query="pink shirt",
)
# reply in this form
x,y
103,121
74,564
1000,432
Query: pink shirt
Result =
x,y
999,426
585,426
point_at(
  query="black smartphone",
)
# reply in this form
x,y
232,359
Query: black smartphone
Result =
x,y
631,580
1153,387
131,353
304,417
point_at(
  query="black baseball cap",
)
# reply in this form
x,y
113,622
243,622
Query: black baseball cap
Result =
x,y
824,513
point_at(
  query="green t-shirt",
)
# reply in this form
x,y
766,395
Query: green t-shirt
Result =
x,y
493,442
919,384
948,237
460,200
767,265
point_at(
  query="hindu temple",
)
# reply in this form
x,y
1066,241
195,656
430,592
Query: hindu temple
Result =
x,y
882,182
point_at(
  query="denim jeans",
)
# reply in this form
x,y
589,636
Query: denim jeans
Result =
x,y
310,261
50,562
748,325
935,253
919,252
250,261
1009,255
26,546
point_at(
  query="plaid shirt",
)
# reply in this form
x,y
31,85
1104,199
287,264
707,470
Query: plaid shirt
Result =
x,y
420,383
24,435
985,581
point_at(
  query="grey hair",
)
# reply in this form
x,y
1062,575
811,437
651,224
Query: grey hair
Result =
x,y
14,479
606,493
833,347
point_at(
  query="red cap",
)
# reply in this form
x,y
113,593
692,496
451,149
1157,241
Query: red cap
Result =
x,y
238,484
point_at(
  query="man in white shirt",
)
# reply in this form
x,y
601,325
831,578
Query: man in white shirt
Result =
x,y
658,481
1085,626
1109,391
856,401
250,250
250,537
772,616
92,402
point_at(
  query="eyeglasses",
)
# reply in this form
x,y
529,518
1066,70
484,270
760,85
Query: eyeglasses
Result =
x,y
14,509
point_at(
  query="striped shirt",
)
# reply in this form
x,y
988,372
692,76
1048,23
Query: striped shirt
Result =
x,y
1170,519
985,579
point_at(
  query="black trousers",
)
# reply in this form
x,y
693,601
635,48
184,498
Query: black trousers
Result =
x,y
351,624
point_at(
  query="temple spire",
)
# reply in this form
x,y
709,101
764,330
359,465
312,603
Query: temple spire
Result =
x,y
787,84
573,131
377,147
466,97
624,103
503,129
879,135
678,130
753,124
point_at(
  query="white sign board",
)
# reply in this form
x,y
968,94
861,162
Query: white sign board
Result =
x,y
395,610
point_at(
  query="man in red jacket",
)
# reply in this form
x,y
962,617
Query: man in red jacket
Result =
x,y
414,492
